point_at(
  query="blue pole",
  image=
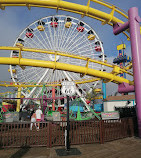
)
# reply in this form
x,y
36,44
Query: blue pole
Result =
x,y
104,90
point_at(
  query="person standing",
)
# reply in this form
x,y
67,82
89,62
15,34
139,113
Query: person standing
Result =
x,y
33,120
38,117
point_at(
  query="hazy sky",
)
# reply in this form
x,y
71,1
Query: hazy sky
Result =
x,y
14,19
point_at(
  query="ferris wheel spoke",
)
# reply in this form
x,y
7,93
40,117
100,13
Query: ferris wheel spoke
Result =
x,y
72,39
28,44
35,88
80,45
38,92
67,41
34,77
69,36
75,41
29,73
48,40
34,43
81,50
20,72
51,36
41,43
51,76
54,39
64,35
61,33
34,55
58,76
46,46
22,77
40,89
37,76
55,76
79,78
61,77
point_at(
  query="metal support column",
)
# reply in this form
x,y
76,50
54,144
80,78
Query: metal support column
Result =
x,y
104,90
53,98
18,100
134,25
68,125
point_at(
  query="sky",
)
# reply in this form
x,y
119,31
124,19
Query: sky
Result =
x,y
14,19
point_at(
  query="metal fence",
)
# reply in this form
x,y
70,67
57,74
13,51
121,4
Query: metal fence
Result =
x,y
53,133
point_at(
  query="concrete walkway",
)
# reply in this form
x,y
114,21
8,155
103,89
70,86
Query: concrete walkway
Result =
x,y
122,148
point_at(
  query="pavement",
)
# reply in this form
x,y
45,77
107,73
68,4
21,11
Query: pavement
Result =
x,y
122,148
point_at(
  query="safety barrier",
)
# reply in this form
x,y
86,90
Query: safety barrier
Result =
x,y
53,133
116,129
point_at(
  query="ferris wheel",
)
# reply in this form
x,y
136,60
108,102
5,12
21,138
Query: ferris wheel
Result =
x,y
56,33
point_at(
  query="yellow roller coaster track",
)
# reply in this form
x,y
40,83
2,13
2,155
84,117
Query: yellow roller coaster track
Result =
x,y
34,84
6,93
84,10
108,77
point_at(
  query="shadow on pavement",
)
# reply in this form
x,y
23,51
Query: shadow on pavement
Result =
x,y
21,152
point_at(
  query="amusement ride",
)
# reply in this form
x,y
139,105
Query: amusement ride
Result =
x,y
61,48
57,34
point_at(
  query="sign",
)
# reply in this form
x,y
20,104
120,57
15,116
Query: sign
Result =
x,y
68,88
8,115
110,115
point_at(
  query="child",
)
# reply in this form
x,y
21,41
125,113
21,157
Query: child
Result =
x,y
33,121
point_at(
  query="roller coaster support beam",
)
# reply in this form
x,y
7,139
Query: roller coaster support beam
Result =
x,y
104,90
136,56
134,25
18,100
125,88
53,96
118,28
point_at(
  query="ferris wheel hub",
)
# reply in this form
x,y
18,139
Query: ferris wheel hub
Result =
x,y
54,57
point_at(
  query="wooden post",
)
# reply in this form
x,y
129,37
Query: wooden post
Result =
x,y
131,126
101,131
49,134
